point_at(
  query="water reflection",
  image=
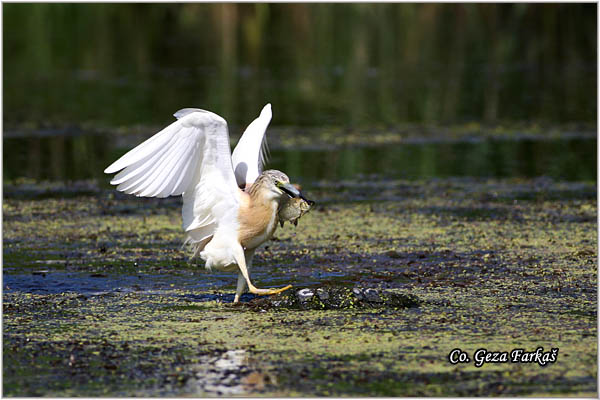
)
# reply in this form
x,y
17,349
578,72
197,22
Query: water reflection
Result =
x,y
55,158
433,64
321,64
567,159
63,158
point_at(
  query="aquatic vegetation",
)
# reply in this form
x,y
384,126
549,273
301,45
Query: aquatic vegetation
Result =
x,y
99,299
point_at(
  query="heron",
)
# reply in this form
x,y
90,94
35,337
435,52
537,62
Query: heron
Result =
x,y
230,204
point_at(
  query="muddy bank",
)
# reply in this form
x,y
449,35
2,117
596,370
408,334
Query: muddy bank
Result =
x,y
100,300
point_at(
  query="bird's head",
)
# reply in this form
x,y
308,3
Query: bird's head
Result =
x,y
277,184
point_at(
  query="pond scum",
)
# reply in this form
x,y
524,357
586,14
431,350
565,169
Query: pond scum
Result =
x,y
494,264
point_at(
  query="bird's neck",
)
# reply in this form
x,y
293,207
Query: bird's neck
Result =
x,y
257,218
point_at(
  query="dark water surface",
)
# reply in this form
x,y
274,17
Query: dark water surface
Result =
x,y
335,64
59,281
438,64
65,158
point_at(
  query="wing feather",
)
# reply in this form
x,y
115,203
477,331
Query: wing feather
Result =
x,y
144,149
137,168
185,111
172,174
251,153
190,157
163,171
137,177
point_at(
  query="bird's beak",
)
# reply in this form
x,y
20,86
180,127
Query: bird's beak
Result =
x,y
289,189
310,202
292,191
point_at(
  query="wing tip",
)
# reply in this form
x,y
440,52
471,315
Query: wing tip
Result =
x,y
111,169
266,111
185,111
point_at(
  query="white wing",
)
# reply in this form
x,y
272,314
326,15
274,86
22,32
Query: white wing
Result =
x,y
251,152
192,157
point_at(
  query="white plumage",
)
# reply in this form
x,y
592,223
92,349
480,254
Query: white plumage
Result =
x,y
192,157
250,155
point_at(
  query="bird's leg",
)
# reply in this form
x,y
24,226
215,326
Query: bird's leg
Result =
x,y
241,262
241,282
241,287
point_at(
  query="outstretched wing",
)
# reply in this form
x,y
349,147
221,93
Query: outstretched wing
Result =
x,y
190,157
251,152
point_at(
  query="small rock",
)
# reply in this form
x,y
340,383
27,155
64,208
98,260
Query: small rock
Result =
x,y
358,293
323,295
305,294
373,296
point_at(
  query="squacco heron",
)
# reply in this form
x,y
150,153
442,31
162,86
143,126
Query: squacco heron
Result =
x,y
230,204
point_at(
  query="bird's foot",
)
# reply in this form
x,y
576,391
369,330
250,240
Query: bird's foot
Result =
x,y
263,292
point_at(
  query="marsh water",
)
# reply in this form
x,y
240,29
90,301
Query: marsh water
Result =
x,y
129,64
70,102
63,159
82,157
340,115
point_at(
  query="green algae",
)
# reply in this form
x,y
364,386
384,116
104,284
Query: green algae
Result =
x,y
496,264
